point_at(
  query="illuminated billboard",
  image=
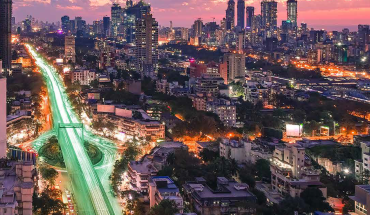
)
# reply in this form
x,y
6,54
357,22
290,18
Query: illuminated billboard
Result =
x,y
59,61
294,130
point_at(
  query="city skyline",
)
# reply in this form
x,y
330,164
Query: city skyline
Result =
x,y
316,13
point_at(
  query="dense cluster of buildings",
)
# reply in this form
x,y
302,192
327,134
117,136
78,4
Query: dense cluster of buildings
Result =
x,y
141,177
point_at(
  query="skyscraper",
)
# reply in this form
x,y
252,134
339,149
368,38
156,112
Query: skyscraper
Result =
x,y
146,51
106,25
269,14
5,34
198,27
2,117
230,15
65,23
131,13
250,15
80,25
70,49
241,14
116,12
292,12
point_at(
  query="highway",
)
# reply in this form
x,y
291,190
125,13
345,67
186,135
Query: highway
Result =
x,y
91,189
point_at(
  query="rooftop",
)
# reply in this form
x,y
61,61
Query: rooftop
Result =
x,y
226,189
143,167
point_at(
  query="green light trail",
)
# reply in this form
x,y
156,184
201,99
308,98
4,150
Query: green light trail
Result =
x,y
91,187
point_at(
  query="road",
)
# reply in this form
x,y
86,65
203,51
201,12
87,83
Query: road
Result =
x,y
90,185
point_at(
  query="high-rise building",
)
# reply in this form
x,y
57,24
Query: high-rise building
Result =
x,y
80,25
146,40
116,16
5,34
65,23
198,27
241,14
2,117
70,49
131,13
230,15
129,3
250,15
233,66
292,12
269,14
27,25
106,25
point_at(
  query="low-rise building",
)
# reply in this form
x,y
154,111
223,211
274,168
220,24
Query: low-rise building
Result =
x,y
362,166
330,166
232,149
83,76
223,200
139,173
162,187
124,122
200,100
362,199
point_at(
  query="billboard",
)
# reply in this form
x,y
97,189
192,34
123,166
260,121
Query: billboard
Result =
x,y
59,61
105,108
123,113
294,130
95,96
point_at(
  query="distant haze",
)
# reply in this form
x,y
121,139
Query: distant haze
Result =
x,y
328,14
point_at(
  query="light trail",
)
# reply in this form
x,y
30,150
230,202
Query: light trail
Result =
x,y
90,194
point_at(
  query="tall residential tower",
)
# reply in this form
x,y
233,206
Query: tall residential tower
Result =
x,y
292,12
250,15
241,14
230,15
146,40
5,34
2,117
269,15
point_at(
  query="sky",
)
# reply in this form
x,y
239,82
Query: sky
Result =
x,y
326,14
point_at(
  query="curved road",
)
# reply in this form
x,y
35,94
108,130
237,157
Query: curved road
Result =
x,y
90,185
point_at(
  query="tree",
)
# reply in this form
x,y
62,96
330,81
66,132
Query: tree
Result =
x,y
263,169
49,174
165,207
247,177
349,205
130,154
209,155
47,203
290,205
314,198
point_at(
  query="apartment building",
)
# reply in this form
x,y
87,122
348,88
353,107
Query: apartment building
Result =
x,y
223,200
17,184
139,173
224,109
232,149
292,172
83,76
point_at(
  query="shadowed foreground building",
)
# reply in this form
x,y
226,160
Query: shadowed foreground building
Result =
x,y
5,34
16,190
225,199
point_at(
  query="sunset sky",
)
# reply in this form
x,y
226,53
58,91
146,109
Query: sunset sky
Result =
x,y
328,14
